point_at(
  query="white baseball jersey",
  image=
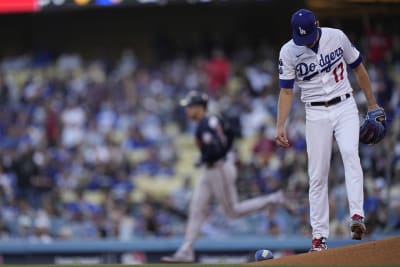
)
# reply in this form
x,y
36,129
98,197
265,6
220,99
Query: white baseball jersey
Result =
x,y
320,75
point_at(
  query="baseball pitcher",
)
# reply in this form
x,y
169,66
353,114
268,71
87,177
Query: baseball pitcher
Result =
x,y
316,60
214,140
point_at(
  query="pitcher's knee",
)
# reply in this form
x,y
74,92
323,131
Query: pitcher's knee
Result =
x,y
317,184
349,154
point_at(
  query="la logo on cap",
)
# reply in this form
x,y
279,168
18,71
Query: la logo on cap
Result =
x,y
302,31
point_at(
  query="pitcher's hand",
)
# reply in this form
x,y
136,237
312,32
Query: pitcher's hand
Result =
x,y
281,138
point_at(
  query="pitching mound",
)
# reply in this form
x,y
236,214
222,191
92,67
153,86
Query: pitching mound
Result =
x,y
382,252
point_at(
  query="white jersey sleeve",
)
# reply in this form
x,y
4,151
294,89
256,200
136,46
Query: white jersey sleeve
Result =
x,y
287,72
350,53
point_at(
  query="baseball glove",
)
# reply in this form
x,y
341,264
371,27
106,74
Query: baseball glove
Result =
x,y
373,129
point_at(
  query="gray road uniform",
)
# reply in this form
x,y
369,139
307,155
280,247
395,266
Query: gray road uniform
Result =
x,y
218,179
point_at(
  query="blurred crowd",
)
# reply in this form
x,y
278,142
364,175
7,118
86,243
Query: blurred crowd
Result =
x,y
77,136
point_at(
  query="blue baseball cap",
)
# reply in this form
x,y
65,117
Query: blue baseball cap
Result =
x,y
304,26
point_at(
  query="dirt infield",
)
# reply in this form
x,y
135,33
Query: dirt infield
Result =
x,y
377,253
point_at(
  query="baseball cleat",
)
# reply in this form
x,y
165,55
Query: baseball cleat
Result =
x,y
179,257
318,244
357,227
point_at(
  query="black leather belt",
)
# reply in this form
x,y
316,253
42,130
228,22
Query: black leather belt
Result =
x,y
331,102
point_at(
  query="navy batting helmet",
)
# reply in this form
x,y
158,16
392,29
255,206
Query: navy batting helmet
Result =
x,y
195,98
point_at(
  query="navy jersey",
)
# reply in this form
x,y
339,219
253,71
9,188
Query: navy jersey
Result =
x,y
214,139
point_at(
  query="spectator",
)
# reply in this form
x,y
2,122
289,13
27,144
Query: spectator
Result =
x,y
379,43
73,119
217,69
75,136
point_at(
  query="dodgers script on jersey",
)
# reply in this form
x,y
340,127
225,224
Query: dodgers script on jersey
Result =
x,y
320,75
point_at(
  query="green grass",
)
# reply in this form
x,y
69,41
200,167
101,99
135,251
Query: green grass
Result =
x,y
170,265
122,265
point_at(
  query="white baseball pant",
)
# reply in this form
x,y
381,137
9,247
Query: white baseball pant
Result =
x,y
322,123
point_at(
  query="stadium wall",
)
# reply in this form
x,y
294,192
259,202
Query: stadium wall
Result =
x,y
149,250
